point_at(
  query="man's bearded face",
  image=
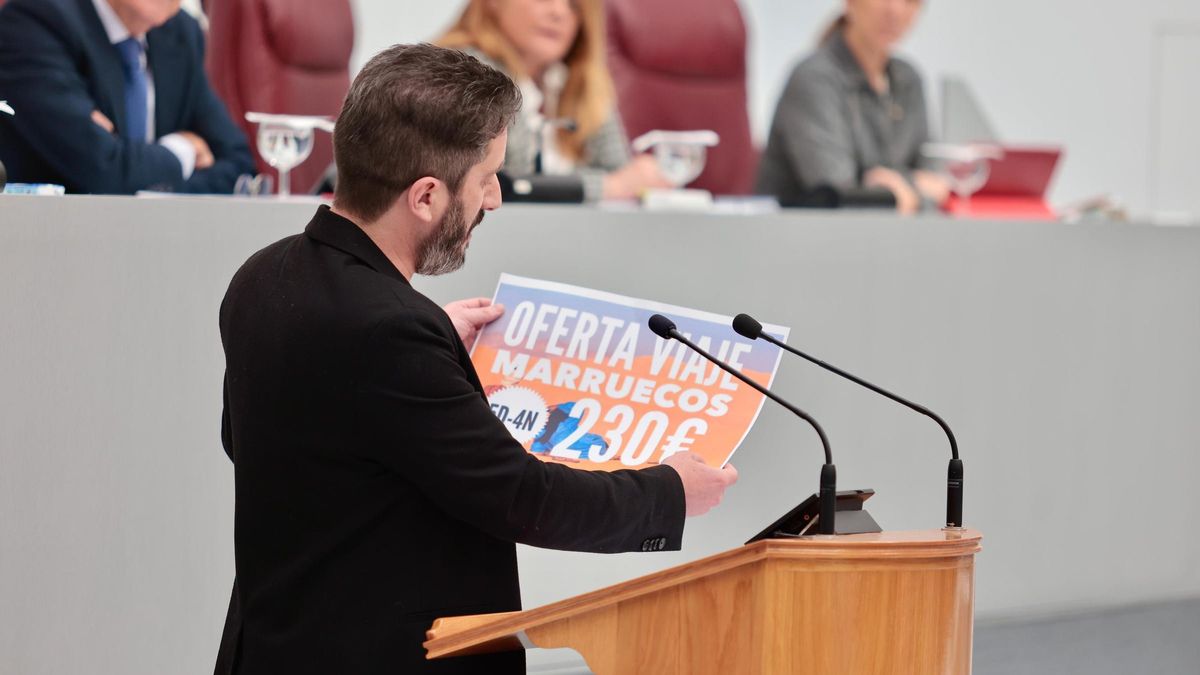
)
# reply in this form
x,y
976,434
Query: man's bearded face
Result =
x,y
445,250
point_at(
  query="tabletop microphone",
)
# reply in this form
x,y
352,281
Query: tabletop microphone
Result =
x,y
665,329
748,327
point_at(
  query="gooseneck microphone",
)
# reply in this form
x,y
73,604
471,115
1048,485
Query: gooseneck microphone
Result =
x,y
748,327
665,329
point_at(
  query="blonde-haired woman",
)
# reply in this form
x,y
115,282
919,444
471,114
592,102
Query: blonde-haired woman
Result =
x,y
554,50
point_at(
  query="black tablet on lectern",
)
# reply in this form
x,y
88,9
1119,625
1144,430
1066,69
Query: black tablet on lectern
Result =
x,y
802,520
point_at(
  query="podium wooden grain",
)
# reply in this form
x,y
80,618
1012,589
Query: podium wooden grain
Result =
x,y
890,603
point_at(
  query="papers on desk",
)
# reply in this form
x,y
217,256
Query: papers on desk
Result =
x,y
36,189
746,206
740,206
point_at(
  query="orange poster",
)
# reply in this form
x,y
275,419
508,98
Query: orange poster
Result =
x,y
578,377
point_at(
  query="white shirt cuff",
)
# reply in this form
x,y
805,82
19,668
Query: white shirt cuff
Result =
x,y
183,150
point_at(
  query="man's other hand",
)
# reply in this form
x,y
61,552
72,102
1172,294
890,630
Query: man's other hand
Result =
x,y
204,155
102,121
703,486
471,315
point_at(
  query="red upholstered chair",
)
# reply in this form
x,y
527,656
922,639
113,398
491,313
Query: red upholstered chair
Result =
x,y
282,56
680,65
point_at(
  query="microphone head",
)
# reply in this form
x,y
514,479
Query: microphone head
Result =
x,y
746,326
661,326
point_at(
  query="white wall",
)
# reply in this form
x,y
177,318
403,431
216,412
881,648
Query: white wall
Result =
x,y
1077,72
380,23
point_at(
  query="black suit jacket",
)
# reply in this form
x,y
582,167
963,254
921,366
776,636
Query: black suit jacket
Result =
x,y
57,66
376,490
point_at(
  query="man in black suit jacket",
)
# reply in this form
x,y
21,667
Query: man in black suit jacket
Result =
x,y
62,71
376,490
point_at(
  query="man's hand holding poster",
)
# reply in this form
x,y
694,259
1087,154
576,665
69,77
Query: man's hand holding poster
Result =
x,y
577,377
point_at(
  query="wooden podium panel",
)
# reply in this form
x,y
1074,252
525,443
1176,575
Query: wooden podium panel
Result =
x,y
890,603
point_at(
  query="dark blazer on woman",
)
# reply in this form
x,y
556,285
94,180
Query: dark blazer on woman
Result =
x,y
57,66
376,490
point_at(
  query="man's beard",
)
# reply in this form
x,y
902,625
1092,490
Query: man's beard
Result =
x,y
445,250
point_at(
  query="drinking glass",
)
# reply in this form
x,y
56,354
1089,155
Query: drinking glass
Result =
x,y
966,167
967,177
284,147
253,186
680,154
680,163
284,141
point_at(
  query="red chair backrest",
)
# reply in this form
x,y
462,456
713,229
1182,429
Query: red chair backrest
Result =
x,y
282,56
681,65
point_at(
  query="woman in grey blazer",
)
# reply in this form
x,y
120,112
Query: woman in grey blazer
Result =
x,y
568,124
853,115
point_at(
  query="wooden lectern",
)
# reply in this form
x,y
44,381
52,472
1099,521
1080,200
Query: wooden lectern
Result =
x,y
895,602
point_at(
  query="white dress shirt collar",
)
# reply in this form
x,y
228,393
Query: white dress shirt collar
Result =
x,y
117,32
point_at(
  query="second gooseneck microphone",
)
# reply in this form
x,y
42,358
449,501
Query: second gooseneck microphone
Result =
x,y
748,327
665,329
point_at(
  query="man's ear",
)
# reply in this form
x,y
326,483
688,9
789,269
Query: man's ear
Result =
x,y
426,198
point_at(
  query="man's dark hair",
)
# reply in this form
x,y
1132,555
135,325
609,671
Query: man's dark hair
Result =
x,y
414,111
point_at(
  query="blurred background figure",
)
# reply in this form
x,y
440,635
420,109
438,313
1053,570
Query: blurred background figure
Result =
x,y
853,115
111,97
287,57
554,50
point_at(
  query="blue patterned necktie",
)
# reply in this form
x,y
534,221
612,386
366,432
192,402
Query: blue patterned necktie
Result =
x,y
135,89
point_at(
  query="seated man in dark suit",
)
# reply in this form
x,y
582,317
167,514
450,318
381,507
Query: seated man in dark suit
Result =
x,y
375,488
110,96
